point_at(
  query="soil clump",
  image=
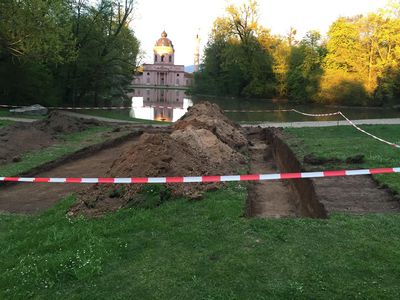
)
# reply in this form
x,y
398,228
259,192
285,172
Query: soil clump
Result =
x,y
203,142
21,138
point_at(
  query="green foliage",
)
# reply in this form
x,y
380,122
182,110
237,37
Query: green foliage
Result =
x,y
356,65
235,62
36,30
107,51
362,54
388,90
66,52
340,87
304,73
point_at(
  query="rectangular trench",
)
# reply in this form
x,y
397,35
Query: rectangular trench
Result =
x,y
300,193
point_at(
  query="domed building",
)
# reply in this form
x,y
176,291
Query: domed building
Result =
x,y
163,72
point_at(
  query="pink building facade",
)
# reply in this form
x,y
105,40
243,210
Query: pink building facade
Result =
x,y
163,72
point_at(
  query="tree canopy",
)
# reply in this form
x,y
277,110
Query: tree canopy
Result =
x,y
357,63
236,62
66,51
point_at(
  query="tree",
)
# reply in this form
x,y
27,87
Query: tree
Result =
x,y
362,50
35,40
305,68
107,51
235,61
66,51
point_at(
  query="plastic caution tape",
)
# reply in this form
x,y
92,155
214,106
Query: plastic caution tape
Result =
x,y
204,179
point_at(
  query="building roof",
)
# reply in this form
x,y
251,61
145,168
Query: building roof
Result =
x,y
164,41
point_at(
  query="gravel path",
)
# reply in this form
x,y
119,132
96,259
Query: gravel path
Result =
x,y
18,119
263,125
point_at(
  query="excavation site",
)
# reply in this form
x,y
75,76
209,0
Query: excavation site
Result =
x,y
203,142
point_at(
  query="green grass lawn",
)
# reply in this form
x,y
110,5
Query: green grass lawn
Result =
x,y
345,141
122,114
5,123
198,250
69,144
207,249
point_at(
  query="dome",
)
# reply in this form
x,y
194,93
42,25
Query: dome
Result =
x,y
164,41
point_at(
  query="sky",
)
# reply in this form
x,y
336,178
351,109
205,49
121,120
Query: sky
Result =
x,y
182,19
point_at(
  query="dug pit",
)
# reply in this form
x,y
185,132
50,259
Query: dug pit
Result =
x,y
320,197
278,198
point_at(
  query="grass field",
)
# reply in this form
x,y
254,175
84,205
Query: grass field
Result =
x,y
71,143
345,141
198,250
207,249
5,123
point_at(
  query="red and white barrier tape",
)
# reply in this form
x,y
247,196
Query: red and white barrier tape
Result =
x,y
351,123
257,111
203,179
316,115
369,134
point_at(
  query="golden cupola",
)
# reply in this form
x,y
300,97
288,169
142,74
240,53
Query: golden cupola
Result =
x,y
164,50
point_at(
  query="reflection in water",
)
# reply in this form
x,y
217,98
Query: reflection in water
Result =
x,y
159,104
169,105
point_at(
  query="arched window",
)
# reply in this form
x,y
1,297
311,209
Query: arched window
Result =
x,y
162,58
170,58
155,58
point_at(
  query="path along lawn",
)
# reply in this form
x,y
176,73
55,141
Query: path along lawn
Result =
x,y
198,250
345,141
6,113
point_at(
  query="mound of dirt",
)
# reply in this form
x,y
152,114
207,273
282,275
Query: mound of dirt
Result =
x,y
187,151
20,138
209,116
59,123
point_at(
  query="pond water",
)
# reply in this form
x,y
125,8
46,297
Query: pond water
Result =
x,y
169,105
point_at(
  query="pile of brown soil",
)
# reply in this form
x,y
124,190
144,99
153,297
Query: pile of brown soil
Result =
x,y
209,116
20,138
59,123
206,145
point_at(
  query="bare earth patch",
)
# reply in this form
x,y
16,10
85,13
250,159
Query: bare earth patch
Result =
x,y
21,138
267,198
